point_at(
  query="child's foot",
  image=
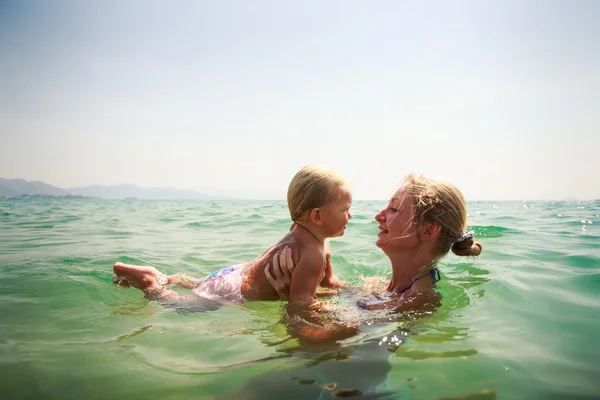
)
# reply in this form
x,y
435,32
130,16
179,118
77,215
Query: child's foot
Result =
x,y
144,278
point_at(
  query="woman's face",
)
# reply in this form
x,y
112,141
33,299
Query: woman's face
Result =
x,y
396,228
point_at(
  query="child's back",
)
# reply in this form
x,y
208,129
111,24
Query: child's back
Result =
x,y
301,242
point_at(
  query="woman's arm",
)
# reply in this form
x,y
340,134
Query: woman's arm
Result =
x,y
279,274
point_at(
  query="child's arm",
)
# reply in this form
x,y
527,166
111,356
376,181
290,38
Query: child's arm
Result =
x,y
307,275
330,280
305,320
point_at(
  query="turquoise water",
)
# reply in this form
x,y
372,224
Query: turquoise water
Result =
x,y
521,321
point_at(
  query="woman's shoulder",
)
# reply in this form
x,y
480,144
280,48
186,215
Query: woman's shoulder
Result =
x,y
414,299
417,299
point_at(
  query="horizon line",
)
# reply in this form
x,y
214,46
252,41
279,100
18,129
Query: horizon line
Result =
x,y
229,197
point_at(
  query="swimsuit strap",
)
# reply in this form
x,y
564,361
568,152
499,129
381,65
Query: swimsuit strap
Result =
x,y
433,272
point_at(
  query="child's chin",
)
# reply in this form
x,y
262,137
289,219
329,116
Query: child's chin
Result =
x,y
340,233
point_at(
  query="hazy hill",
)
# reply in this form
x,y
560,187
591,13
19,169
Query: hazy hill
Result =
x,y
125,191
17,187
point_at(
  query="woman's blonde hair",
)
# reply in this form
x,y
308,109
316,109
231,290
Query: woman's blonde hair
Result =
x,y
312,187
442,203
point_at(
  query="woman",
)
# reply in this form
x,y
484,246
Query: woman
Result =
x,y
424,219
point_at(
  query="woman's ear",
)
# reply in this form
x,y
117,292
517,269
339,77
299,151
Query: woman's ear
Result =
x,y
315,216
429,231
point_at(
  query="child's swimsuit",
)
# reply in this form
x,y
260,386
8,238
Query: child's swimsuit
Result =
x,y
224,284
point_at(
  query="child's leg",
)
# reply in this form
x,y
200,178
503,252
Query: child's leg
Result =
x,y
148,279
153,283
141,276
184,281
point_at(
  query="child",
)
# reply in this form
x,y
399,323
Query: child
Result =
x,y
319,201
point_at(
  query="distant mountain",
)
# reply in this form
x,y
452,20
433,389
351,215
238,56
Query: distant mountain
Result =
x,y
18,187
132,191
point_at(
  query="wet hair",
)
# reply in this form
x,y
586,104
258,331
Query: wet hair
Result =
x,y
442,203
312,187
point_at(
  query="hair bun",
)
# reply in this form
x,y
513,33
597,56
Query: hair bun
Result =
x,y
466,247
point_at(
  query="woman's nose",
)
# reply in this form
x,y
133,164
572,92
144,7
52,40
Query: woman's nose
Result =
x,y
379,217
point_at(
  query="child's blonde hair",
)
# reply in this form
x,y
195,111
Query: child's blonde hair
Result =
x,y
312,187
441,202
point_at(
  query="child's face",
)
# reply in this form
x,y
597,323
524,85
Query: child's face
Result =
x,y
335,215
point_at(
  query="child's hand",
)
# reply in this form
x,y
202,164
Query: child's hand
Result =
x,y
281,278
332,282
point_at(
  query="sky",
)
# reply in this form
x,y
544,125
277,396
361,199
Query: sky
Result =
x,y
500,98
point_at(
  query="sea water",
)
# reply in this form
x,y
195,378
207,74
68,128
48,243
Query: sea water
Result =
x,y
520,321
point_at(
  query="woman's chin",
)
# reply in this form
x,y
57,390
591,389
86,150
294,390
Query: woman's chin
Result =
x,y
385,244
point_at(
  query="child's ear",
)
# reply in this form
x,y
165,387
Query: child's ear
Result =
x,y
315,216
429,231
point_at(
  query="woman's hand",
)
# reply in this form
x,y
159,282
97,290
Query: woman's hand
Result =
x,y
283,267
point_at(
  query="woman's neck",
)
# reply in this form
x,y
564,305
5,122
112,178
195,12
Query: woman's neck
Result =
x,y
407,268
